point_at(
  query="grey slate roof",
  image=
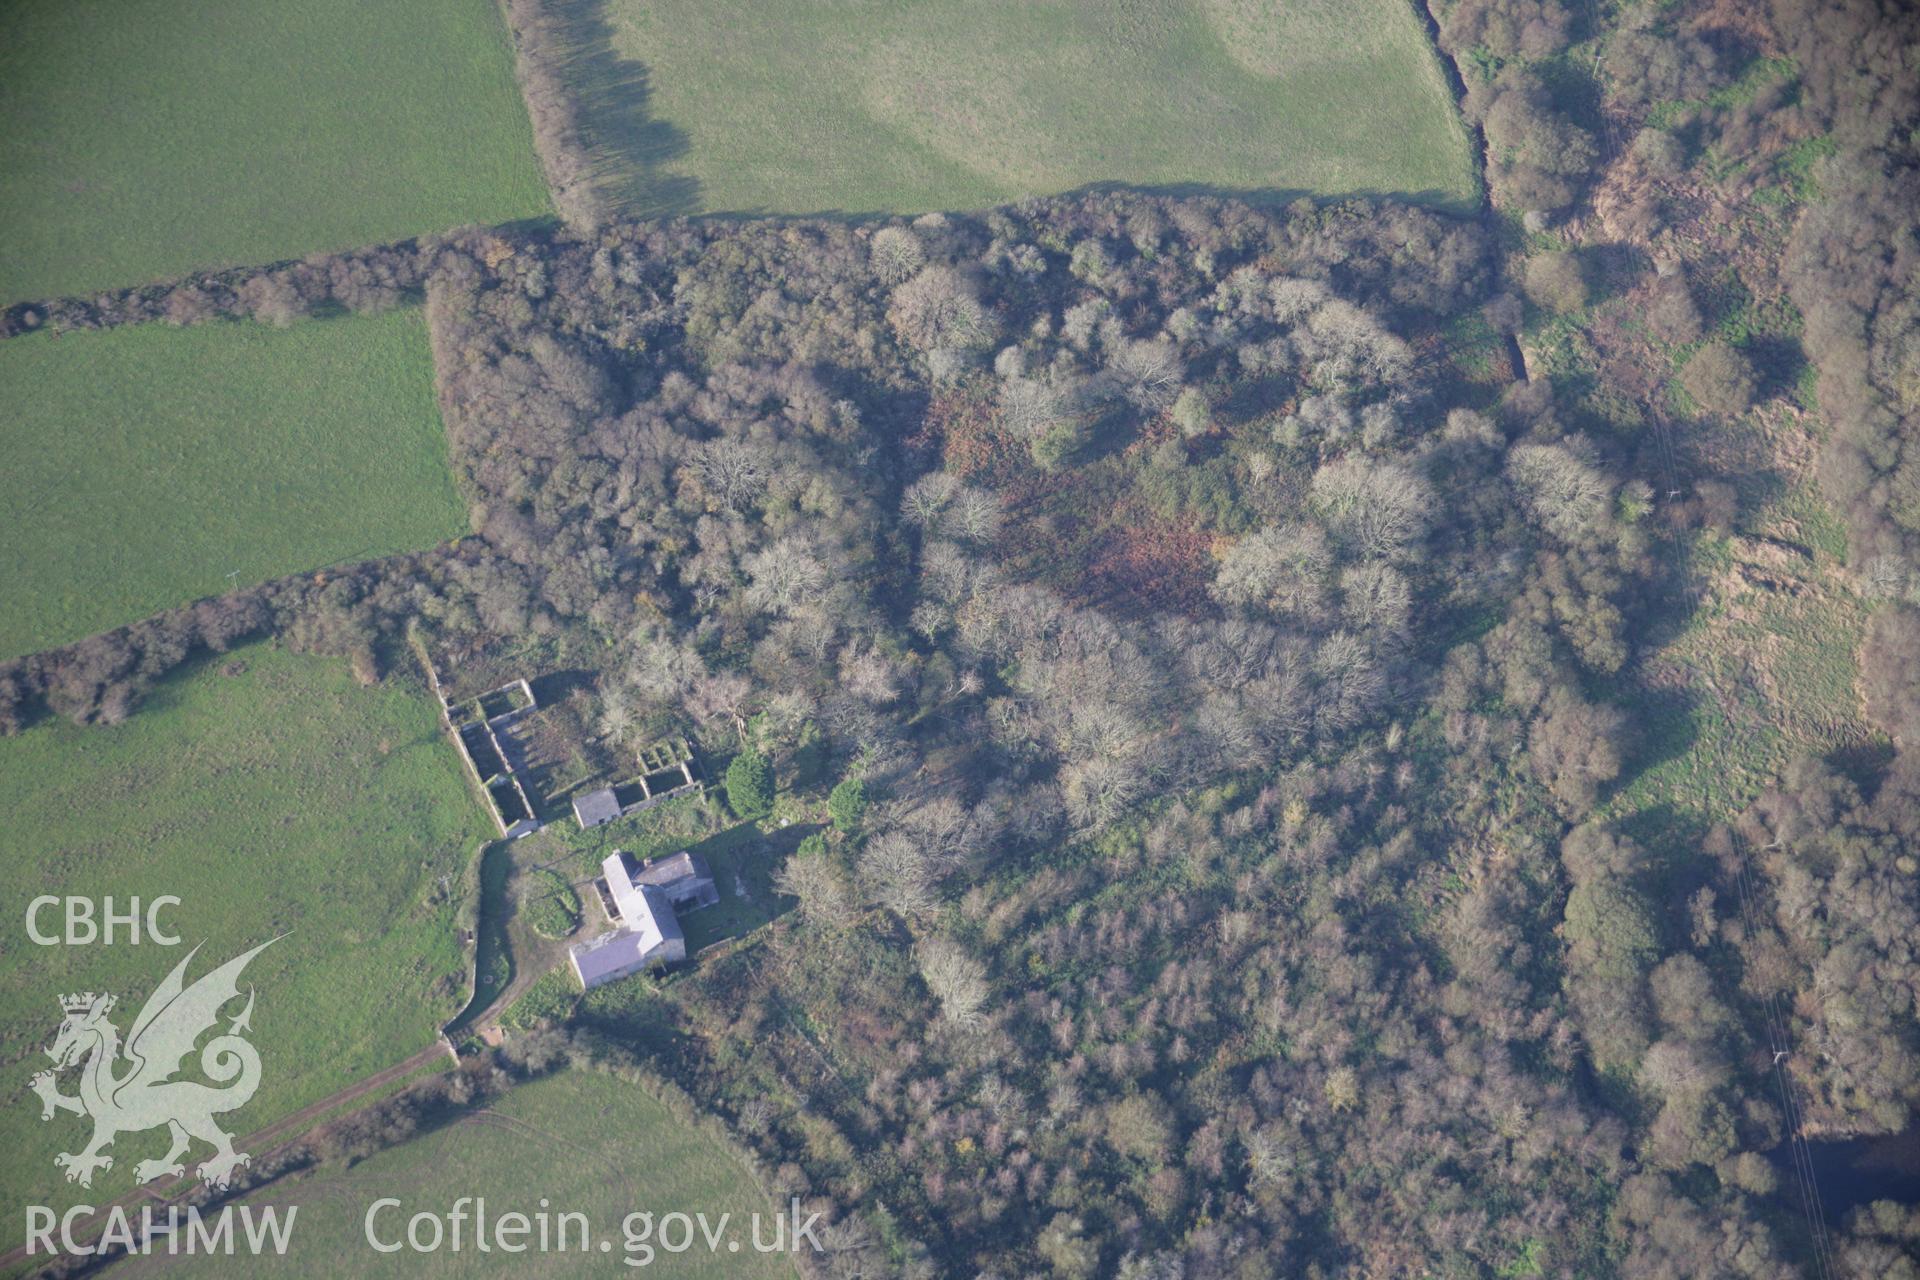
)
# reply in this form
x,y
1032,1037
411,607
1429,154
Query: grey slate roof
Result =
x,y
664,920
648,928
608,955
680,866
596,807
628,901
646,924
611,954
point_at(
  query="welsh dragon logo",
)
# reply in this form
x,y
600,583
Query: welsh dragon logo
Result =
x,y
126,1089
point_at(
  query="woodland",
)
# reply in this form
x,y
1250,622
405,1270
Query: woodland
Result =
x,y
1204,644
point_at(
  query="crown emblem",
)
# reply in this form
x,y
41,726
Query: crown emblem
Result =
x,y
146,1094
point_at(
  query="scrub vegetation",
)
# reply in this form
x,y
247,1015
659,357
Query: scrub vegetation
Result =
x,y
1244,738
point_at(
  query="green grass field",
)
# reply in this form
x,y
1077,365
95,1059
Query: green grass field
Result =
x,y
586,1142
147,138
273,796
1763,673
145,465
794,106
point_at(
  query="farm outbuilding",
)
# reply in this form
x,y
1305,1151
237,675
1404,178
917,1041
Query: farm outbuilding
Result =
x,y
596,808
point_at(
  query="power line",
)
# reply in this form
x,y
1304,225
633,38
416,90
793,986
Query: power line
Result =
x,y
1778,1042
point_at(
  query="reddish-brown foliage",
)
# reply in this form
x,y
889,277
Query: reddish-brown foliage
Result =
x,y
1151,565
971,444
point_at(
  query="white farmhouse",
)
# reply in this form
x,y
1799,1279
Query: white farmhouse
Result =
x,y
642,903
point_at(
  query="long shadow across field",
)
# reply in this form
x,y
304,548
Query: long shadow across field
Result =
x,y
628,146
631,149
493,966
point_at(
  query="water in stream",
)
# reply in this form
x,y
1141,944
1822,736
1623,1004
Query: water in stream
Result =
x,y
1857,1171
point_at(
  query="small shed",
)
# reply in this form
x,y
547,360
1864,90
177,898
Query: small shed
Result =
x,y
596,808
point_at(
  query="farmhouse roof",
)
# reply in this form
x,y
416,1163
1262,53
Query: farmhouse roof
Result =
x,y
647,927
646,915
612,954
665,921
628,901
666,872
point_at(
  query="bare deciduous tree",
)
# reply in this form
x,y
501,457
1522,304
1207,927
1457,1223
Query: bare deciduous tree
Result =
x,y
938,308
898,874
735,473
956,979
1376,597
896,254
926,498
826,899
974,516
1283,570
1101,789
1150,371
725,695
784,576
1566,494
1379,508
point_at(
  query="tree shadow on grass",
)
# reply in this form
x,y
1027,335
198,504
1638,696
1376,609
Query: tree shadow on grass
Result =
x,y
1254,398
1666,726
1675,868
630,148
1779,361
493,962
1864,762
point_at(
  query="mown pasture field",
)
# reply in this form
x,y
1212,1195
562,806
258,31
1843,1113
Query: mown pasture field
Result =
x,y
790,106
149,466
275,797
147,138
585,1142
